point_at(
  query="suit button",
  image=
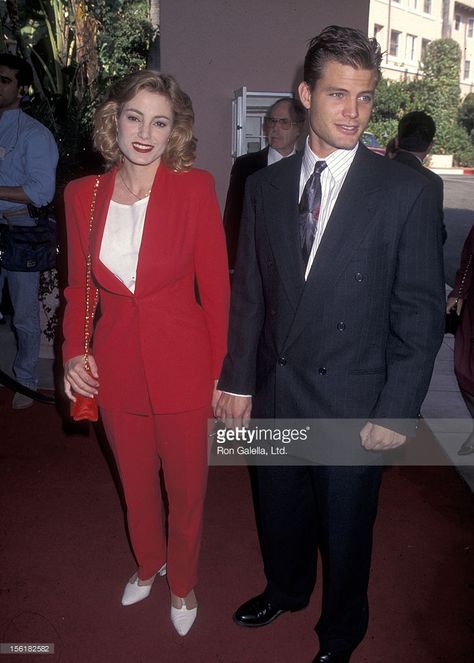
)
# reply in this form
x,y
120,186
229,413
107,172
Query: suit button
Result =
x,y
341,326
322,370
273,311
359,277
282,361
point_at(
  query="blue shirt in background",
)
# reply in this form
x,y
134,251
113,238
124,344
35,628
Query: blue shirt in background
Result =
x,y
28,158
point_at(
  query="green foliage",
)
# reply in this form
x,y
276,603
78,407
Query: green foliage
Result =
x,y
390,100
124,37
76,48
441,64
466,114
437,93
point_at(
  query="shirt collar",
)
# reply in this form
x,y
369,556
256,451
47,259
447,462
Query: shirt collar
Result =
x,y
274,156
338,162
11,113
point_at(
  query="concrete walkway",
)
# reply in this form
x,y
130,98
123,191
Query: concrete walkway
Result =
x,y
445,411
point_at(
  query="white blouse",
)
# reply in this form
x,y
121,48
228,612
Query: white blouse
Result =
x,y
122,240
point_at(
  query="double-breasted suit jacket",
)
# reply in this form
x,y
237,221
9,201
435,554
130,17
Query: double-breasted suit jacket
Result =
x,y
412,161
158,345
357,339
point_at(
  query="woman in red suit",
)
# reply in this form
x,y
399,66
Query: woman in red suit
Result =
x,y
156,352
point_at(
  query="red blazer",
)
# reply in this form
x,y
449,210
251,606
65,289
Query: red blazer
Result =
x,y
157,345
463,341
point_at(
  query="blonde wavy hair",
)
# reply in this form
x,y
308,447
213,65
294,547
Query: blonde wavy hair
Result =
x,y
180,152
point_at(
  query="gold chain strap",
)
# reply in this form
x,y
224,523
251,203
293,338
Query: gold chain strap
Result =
x,y
89,315
461,285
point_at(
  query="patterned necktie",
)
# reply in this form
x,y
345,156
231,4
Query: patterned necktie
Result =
x,y
309,209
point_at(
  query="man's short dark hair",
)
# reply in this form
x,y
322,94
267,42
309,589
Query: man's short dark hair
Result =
x,y
343,45
22,68
416,131
297,110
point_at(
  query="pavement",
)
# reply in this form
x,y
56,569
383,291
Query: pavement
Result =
x,y
453,171
443,409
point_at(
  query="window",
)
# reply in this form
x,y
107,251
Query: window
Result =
x,y
467,69
470,27
427,6
394,42
413,4
457,21
410,48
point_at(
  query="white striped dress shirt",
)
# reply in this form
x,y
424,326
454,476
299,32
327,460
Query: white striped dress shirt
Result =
x,y
332,179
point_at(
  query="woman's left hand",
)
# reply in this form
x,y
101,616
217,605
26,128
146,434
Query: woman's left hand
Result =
x,y
216,394
454,302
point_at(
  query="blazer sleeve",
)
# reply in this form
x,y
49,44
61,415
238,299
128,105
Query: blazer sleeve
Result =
x,y
77,199
212,274
247,310
417,312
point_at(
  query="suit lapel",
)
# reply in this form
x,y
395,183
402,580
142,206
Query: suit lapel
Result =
x,y
280,195
157,225
350,220
104,275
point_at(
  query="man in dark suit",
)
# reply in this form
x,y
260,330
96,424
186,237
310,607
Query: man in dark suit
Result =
x,y
414,140
337,312
282,127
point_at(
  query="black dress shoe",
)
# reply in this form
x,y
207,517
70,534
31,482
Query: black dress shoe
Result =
x,y
467,447
256,612
328,657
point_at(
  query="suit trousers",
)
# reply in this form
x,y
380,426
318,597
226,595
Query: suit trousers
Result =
x,y
176,444
301,509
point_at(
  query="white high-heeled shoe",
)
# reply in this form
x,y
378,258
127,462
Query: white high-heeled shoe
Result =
x,y
133,592
183,617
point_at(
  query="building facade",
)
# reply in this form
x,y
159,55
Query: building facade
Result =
x,y
404,28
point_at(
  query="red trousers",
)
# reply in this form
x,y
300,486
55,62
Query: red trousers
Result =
x,y
177,444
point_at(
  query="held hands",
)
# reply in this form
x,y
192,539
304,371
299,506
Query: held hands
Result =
x,y
452,302
233,411
216,394
78,380
378,438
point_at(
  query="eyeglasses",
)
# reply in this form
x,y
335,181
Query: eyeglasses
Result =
x,y
282,121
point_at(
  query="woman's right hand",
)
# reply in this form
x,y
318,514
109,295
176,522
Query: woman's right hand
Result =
x,y
77,380
452,302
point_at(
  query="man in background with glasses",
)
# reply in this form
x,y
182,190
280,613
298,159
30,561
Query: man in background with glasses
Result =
x,y
282,127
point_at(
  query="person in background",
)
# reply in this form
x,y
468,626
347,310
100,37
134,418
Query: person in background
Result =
x,y
413,143
461,298
391,148
337,313
282,127
156,353
28,159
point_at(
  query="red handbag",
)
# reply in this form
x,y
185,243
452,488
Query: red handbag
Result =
x,y
85,408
